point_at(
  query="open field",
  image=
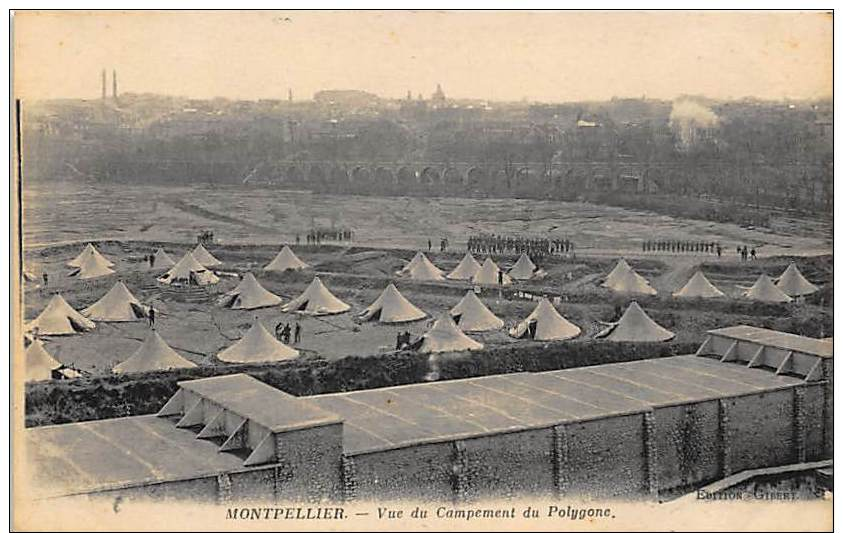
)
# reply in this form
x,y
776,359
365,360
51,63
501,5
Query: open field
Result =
x,y
341,353
198,328
72,211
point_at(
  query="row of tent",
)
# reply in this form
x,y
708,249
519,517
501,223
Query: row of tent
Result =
x,y
468,269
193,267
257,345
790,284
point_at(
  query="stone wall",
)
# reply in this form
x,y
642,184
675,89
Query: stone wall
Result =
x,y
687,444
423,472
310,463
606,457
634,455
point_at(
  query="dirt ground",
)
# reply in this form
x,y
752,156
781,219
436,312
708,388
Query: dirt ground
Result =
x,y
198,328
71,212
250,222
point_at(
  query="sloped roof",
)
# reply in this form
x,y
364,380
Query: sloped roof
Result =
x,y
629,281
249,294
466,269
392,307
488,274
416,258
92,266
471,314
424,270
39,363
317,300
764,290
286,260
117,305
621,267
635,326
793,283
445,336
162,259
186,266
89,251
441,411
256,346
204,257
523,269
58,318
153,354
549,324
698,287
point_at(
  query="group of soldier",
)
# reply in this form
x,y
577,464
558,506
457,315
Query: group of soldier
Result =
x,y
317,236
746,254
402,340
283,331
676,246
535,247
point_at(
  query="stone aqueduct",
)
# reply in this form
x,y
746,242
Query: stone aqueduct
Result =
x,y
534,179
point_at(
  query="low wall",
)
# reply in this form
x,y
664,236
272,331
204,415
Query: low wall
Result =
x,y
424,472
636,455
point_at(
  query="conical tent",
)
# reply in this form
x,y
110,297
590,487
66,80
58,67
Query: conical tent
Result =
x,y
416,258
189,271
118,305
249,294
285,260
764,290
545,324
39,363
392,308
93,266
445,336
162,259
635,326
153,354
424,270
257,346
488,274
630,281
523,269
204,257
793,283
89,251
471,314
621,267
58,318
466,269
698,287
317,300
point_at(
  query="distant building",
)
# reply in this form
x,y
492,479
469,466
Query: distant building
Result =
x,y
438,96
346,98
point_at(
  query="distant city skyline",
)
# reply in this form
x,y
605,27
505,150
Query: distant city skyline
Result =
x,y
494,56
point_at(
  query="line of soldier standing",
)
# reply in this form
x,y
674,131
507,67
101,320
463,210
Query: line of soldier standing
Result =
x,y
535,247
680,246
317,236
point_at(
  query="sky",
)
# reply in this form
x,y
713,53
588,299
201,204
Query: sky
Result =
x,y
497,56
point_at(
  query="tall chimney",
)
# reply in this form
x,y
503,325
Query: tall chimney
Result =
x,y
103,84
114,84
